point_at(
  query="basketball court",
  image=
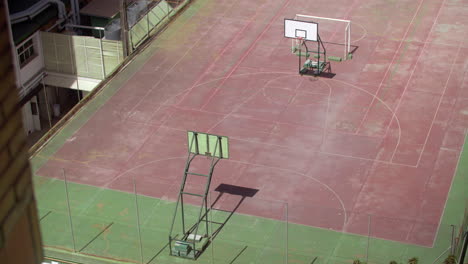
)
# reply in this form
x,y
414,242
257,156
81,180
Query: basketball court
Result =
x,y
370,151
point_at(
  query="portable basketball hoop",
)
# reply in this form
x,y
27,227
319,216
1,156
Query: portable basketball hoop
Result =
x,y
301,32
189,240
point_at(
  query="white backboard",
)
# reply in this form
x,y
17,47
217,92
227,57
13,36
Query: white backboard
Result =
x,y
296,28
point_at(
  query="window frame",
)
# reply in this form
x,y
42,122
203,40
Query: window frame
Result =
x,y
26,52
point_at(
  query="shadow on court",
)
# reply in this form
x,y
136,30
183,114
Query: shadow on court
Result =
x,y
223,189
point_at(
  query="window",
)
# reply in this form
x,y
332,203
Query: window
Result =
x,y
26,52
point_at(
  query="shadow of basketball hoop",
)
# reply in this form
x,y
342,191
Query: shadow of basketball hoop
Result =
x,y
353,48
327,73
223,189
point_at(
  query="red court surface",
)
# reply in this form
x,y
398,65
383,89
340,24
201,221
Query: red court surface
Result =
x,y
381,138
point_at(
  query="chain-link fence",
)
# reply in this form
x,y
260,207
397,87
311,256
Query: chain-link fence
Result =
x,y
147,17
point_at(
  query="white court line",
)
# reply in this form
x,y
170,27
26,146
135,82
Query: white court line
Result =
x,y
325,128
450,189
279,87
106,186
428,42
288,75
306,176
242,162
74,162
221,53
411,76
311,151
331,154
426,92
245,100
202,36
276,123
291,74
440,102
121,173
384,104
270,99
367,159
247,52
346,15
201,84
118,175
391,64
346,83
204,83
265,69
435,115
364,35
252,119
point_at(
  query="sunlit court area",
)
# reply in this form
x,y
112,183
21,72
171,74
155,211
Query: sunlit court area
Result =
x,y
266,132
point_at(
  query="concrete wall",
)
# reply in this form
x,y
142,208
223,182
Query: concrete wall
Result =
x,y
20,240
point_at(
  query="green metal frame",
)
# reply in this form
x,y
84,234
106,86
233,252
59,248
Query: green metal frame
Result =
x,y
216,148
317,66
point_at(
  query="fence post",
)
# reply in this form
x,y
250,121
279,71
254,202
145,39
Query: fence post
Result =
x,y
287,233
102,56
368,236
147,21
124,27
210,218
69,210
452,242
138,220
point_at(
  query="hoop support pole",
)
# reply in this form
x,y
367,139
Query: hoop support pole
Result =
x,y
349,39
346,43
